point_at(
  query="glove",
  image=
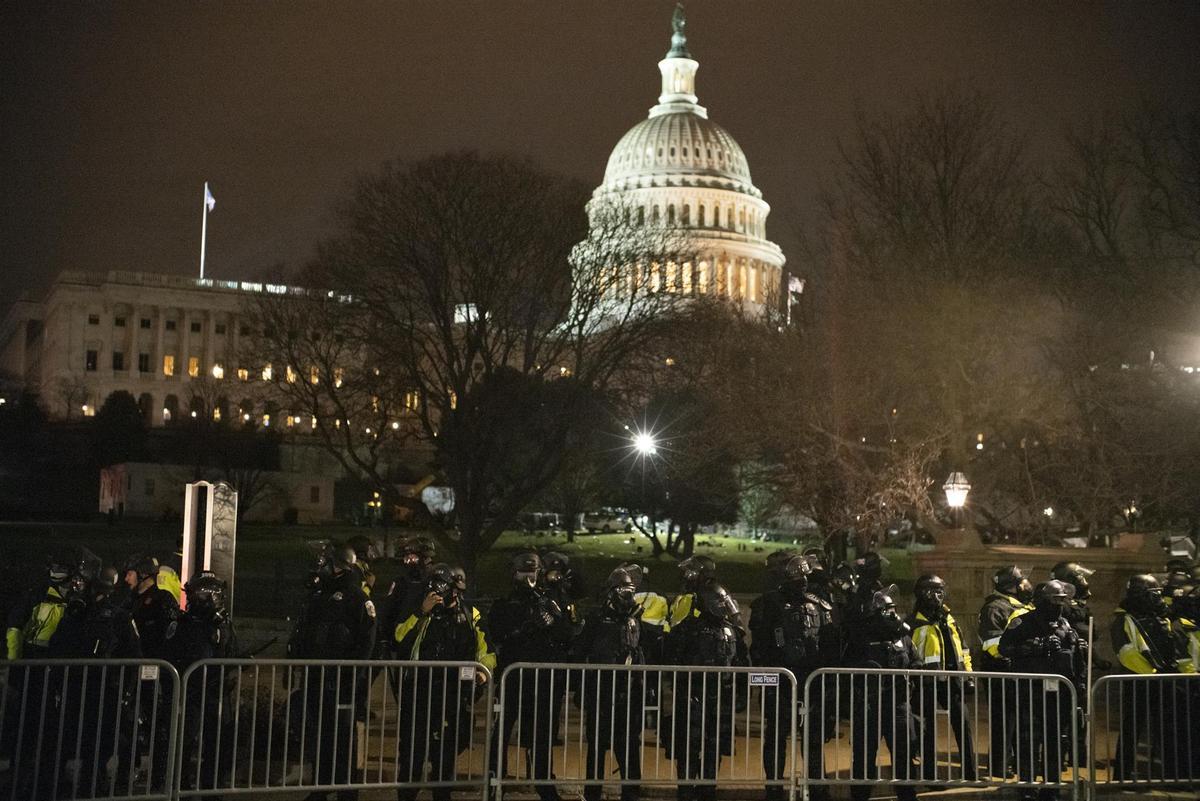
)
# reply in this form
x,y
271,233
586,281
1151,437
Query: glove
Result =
x,y
968,685
1053,644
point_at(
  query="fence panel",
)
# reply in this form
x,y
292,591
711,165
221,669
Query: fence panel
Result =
x,y
82,728
588,726
275,725
941,728
1145,732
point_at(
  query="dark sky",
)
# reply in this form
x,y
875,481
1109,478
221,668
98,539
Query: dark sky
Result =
x,y
112,115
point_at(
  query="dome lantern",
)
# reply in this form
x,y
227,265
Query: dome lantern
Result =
x,y
678,70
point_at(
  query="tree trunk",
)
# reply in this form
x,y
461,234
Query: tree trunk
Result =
x,y
687,538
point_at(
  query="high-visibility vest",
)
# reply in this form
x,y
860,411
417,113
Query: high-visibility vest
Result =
x,y
927,637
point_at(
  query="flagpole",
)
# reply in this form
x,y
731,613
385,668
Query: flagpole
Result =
x,y
203,227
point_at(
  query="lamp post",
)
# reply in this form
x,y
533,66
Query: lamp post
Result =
x,y
956,488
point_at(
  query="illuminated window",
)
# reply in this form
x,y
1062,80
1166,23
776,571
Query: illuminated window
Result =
x,y
412,400
266,420
218,371
243,374
314,423
453,398
194,366
291,421
166,415
168,365
314,376
291,375
339,373
266,373
217,414
89,410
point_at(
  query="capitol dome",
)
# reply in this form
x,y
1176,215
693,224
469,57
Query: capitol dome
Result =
x,y
679,170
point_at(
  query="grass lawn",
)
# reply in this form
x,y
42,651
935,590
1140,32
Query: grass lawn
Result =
x,y
272,561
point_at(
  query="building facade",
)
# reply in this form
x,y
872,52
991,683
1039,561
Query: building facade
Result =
x,y
152,335
679,170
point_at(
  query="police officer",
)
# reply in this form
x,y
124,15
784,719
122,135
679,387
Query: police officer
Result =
x,y
32,622
95,626
405,593
205,632
702,724
818,580
939,645
792,628
694,573
883,641
653,614
155,610
530,625
868,580
1147,643
337,622
1043,641
1077,612
612,704
367,553
435,702
1012,596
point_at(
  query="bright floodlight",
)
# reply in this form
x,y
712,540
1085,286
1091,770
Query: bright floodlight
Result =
x,y
644,444
956,488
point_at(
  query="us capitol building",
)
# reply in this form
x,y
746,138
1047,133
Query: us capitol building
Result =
x,y
680,170
151,334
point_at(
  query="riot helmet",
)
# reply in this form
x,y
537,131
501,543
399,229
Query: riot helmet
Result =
x,y
620,591
441,581
795,574
633,571
364,549
105,584
775,562
1011,581
716,602
416,555
1143,595
1051,598
341,556
816,559
205,594
1178,584
1074,574
930,593
139,568
526,569
695,571
843,580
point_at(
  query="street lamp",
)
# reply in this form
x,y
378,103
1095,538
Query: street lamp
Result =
x,y
956,488
645,444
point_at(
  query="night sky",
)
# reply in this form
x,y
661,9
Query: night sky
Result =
x,y
112,115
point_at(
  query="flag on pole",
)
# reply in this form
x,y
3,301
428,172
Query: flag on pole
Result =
x,y
209,200
795,284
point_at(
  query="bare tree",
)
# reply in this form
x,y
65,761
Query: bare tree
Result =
x,y
466,305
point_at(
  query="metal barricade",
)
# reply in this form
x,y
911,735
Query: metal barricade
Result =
x,y
941,728
282,725
1145,732
87,728
581,725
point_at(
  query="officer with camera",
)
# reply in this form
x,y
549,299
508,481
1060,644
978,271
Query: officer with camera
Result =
x,y
406,591
337,622
1043,641
882,641
435,700
791,628
702,717
612,703
530,625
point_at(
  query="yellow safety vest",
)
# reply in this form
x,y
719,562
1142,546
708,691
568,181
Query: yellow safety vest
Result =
x,y
483,653
40,627
655,609
683,607
927,637
1132,653
167,579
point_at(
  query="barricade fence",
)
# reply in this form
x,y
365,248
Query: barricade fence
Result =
x,y
274,725
934,722
1145,732
631,726
78,728
135,729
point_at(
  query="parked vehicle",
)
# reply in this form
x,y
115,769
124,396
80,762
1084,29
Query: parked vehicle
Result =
x,y
605,522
